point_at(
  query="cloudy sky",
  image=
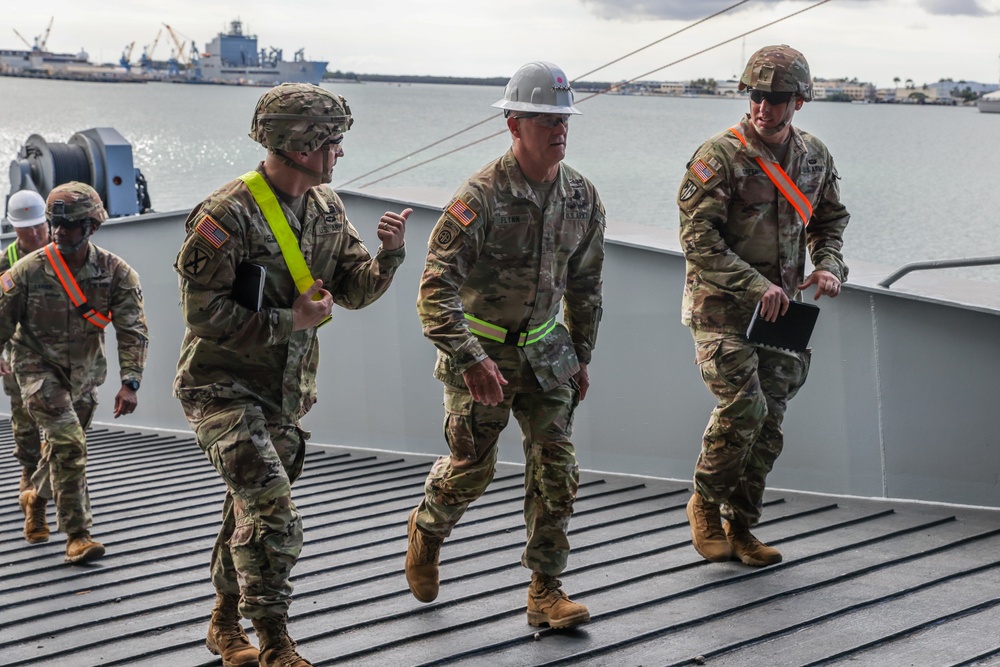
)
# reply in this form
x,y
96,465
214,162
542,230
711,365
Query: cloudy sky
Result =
x,y
873,40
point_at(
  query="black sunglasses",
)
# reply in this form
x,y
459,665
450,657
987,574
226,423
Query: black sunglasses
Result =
x,y
69,224
774,99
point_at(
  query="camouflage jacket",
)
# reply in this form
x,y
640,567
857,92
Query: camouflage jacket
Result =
x,y
739,235
49,337
232,353
501,255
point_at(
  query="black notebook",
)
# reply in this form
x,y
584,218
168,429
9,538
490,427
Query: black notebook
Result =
x,y
790,331
248,289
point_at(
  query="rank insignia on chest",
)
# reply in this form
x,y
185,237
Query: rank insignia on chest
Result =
x,y
6,282
702,171
462,212
211,231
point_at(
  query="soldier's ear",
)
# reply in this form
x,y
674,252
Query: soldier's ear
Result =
x,y
798,103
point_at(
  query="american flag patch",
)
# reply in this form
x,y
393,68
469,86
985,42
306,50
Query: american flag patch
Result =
x,y
702,171
462,212
210,230
6,281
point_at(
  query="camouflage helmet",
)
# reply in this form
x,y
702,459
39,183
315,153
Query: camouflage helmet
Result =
x,y
75,201
299,117
778,69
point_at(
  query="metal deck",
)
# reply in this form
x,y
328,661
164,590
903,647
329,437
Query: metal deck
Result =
x,y
863,582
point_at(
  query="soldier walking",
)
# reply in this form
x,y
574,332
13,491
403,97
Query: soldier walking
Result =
x,y
520,237
246,376
26,214
753,199
54,307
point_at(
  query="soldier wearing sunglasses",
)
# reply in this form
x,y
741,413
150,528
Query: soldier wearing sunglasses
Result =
x,y
754,197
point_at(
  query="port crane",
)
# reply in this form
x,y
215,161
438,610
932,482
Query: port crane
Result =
x,y
181,55
40,41
146,60
126,59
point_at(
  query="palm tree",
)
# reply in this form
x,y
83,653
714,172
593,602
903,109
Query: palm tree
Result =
x,y
909,83
895,80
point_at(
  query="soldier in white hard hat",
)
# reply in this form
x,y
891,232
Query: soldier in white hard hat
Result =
x,y
26,214
520,237
752,200
247,372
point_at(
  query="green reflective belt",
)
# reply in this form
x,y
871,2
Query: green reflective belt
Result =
x,y
12,253
276,220
492,332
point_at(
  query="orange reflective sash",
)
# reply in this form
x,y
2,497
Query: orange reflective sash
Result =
x,y
786,186
73,290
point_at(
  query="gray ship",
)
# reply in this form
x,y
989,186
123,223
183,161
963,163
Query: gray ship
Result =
x,y
234,58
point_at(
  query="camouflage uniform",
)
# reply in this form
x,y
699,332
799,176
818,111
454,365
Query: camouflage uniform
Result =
x,y
511,265
245,379
739,235
27,443
58,360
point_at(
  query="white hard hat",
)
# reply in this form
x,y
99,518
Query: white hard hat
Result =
x,y
538,87
25,208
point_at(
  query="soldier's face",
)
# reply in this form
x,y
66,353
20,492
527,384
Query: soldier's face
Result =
x,y
324,159
544,137
68,236
33,238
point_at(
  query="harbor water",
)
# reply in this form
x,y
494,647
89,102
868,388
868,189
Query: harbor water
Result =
x,y
919,181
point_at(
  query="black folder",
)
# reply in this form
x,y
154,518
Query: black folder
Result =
x,y
248,288
790,331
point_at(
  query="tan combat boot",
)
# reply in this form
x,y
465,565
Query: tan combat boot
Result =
x,y
706,530
226,637
36,528
277,649
423,553
81,548
748,548
549,605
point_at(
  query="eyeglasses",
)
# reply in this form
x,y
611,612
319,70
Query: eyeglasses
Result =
x,y
69,225
774,99
335,142
549,121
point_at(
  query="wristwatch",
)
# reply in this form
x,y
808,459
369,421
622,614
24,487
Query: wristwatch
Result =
x,y
131,384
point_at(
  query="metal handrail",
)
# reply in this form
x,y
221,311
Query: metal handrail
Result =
x,y
937,264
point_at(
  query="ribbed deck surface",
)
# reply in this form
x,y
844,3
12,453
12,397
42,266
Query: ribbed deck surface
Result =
x,y
862,583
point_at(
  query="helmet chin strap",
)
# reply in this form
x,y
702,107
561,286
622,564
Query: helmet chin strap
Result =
x,y
323,177
69,250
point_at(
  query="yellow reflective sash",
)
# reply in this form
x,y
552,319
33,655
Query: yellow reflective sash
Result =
x,y
276,220
12,253
786,186
493,332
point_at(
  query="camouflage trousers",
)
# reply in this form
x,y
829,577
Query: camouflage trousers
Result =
x,y
27,443
61,473
551,474
743,439
258,458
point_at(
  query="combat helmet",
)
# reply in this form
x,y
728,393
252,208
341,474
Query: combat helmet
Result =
x,y
75,201
299,117
778,69
25,208
538,87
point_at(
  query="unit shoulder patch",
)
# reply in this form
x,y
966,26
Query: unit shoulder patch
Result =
x,y
6,282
